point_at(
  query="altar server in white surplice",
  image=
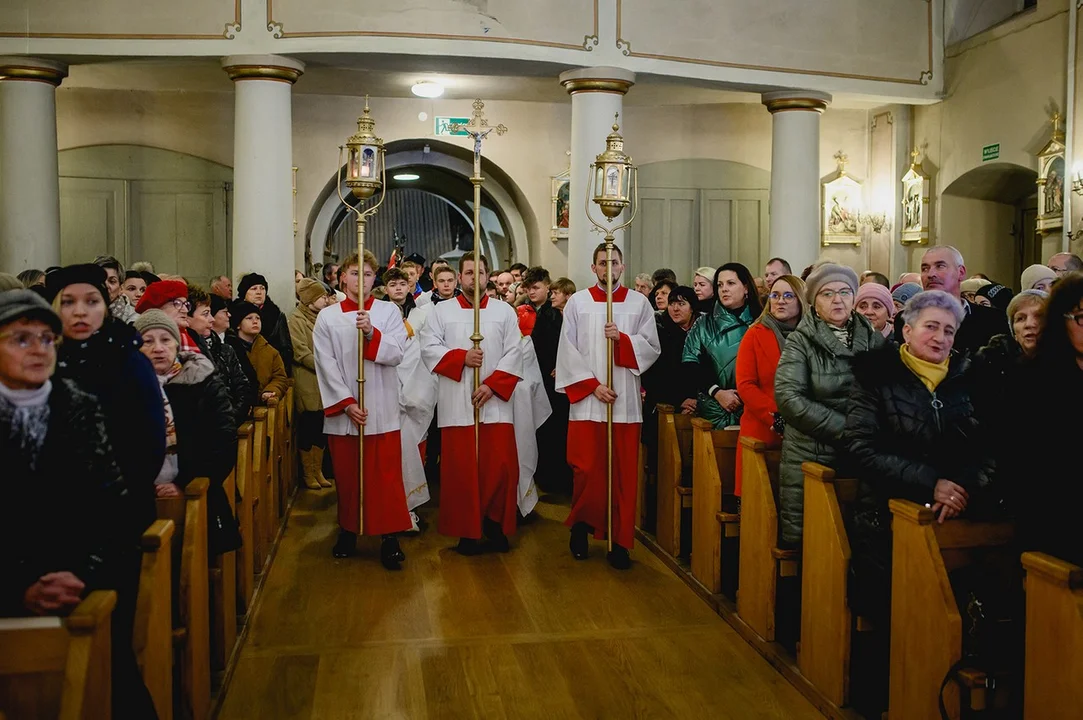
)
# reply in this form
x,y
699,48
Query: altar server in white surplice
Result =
x,y
532,409
475,501
335,347
581,374
417,403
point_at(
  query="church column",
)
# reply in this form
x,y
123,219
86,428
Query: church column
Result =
x,y
262,170
597,94
29,175
795,174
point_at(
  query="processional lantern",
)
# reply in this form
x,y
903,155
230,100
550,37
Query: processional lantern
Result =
x,y
365,169
613,176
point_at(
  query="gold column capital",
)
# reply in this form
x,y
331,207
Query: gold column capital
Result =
x,y
263,67
786,100
32,70
604,80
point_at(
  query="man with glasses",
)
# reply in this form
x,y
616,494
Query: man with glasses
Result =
x,y
942,268
1064,263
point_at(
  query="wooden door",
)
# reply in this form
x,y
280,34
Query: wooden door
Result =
x,y
180,226
665,233
93,219
734,228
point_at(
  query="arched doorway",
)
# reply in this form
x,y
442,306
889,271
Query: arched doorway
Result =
x,y
432,215
989,213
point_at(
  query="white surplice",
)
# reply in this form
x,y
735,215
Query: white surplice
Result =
x,y
417,403
581,352
531,407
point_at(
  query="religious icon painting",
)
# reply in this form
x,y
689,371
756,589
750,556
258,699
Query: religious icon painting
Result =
x,y
368,163
916,190
561,207
1051,179
842,204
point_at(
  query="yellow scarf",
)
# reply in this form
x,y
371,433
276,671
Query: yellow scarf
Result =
x,y
930,374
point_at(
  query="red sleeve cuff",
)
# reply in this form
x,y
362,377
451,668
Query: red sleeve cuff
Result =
x,y
502,384
624,355
372,346
452,364
338,407
578,391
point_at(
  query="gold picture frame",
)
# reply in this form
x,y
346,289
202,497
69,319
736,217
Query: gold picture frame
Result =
x,y
916,197
841,207
560,211
1051,180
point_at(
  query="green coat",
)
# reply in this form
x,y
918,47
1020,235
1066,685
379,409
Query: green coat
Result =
x,y
812,389
712,343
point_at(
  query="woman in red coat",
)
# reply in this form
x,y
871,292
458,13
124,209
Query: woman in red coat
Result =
x,y
758,358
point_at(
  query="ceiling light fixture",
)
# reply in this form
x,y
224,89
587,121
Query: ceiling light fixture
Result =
x,y
406,177
428,89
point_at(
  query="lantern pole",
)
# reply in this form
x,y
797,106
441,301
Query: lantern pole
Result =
x,y
366,176
610,176
480,130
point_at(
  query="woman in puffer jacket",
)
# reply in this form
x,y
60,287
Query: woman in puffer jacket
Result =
x,y
812,385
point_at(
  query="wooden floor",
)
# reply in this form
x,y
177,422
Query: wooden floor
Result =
x,y
530,634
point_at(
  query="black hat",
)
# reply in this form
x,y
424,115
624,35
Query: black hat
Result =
x,y
148,277
18,304
87,273
247,281
239,310
415,258
998,295
218,304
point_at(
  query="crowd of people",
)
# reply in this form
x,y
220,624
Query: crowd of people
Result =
x,y
118,386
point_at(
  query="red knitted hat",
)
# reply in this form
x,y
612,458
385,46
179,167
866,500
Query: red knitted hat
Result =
x,y
161,292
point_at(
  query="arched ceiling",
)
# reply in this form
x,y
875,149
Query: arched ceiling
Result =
x,y
1000,182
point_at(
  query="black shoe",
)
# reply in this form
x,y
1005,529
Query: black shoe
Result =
x,y
618,558
346,545
580,542
469,547
495,539
391,555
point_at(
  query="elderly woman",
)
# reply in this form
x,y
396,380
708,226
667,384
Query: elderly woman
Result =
x,y
1037,277
703,282
201,440
310,438
757,361
242,396
101,355
912,433
62,521
659,296
812,384
710,350
875,302
902,294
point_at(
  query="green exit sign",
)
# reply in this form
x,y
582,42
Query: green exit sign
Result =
x,y
990,152
443,125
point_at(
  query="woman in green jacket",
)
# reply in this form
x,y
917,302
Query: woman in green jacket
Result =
x,y
812,385
710,351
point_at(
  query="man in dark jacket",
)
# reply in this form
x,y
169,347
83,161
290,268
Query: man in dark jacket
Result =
x,y
253,288
942,268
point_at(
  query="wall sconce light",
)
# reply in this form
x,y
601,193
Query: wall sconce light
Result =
x,y
1077,180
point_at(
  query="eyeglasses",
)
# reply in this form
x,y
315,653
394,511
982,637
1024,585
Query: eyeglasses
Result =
x,y
181,304
1077,318
23,339
832,294
785,297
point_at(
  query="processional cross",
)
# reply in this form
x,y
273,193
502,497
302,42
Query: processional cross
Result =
x,y
479,129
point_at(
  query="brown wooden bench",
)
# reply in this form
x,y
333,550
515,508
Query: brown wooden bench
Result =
x,y
674,461
242,509
191,630
714,460
1054,649
826,624
54,668
273,458
258,489
926,628
762,562
288,450
152,634
222,576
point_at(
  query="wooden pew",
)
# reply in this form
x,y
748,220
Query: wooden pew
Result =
x,y
242,509
926,628
289,450
824,656
714,460
761,560
191,632
222,576
1054,649
273,456
674,459
152,634
54,668
258,488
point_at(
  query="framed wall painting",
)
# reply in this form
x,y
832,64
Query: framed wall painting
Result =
x,y
1051,177
842,206
561,206
916,193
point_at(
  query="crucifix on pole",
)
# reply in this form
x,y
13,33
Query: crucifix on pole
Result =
x,y
478,128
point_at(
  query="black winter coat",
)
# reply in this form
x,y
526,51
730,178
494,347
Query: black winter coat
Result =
x,y
241,394
979,326
206,441
68,512
275,329
665,381
110,366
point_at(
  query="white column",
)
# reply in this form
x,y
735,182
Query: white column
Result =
x,y
597,95
262,170
29,176
795,174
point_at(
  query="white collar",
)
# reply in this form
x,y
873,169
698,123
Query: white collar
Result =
x,y
35,397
